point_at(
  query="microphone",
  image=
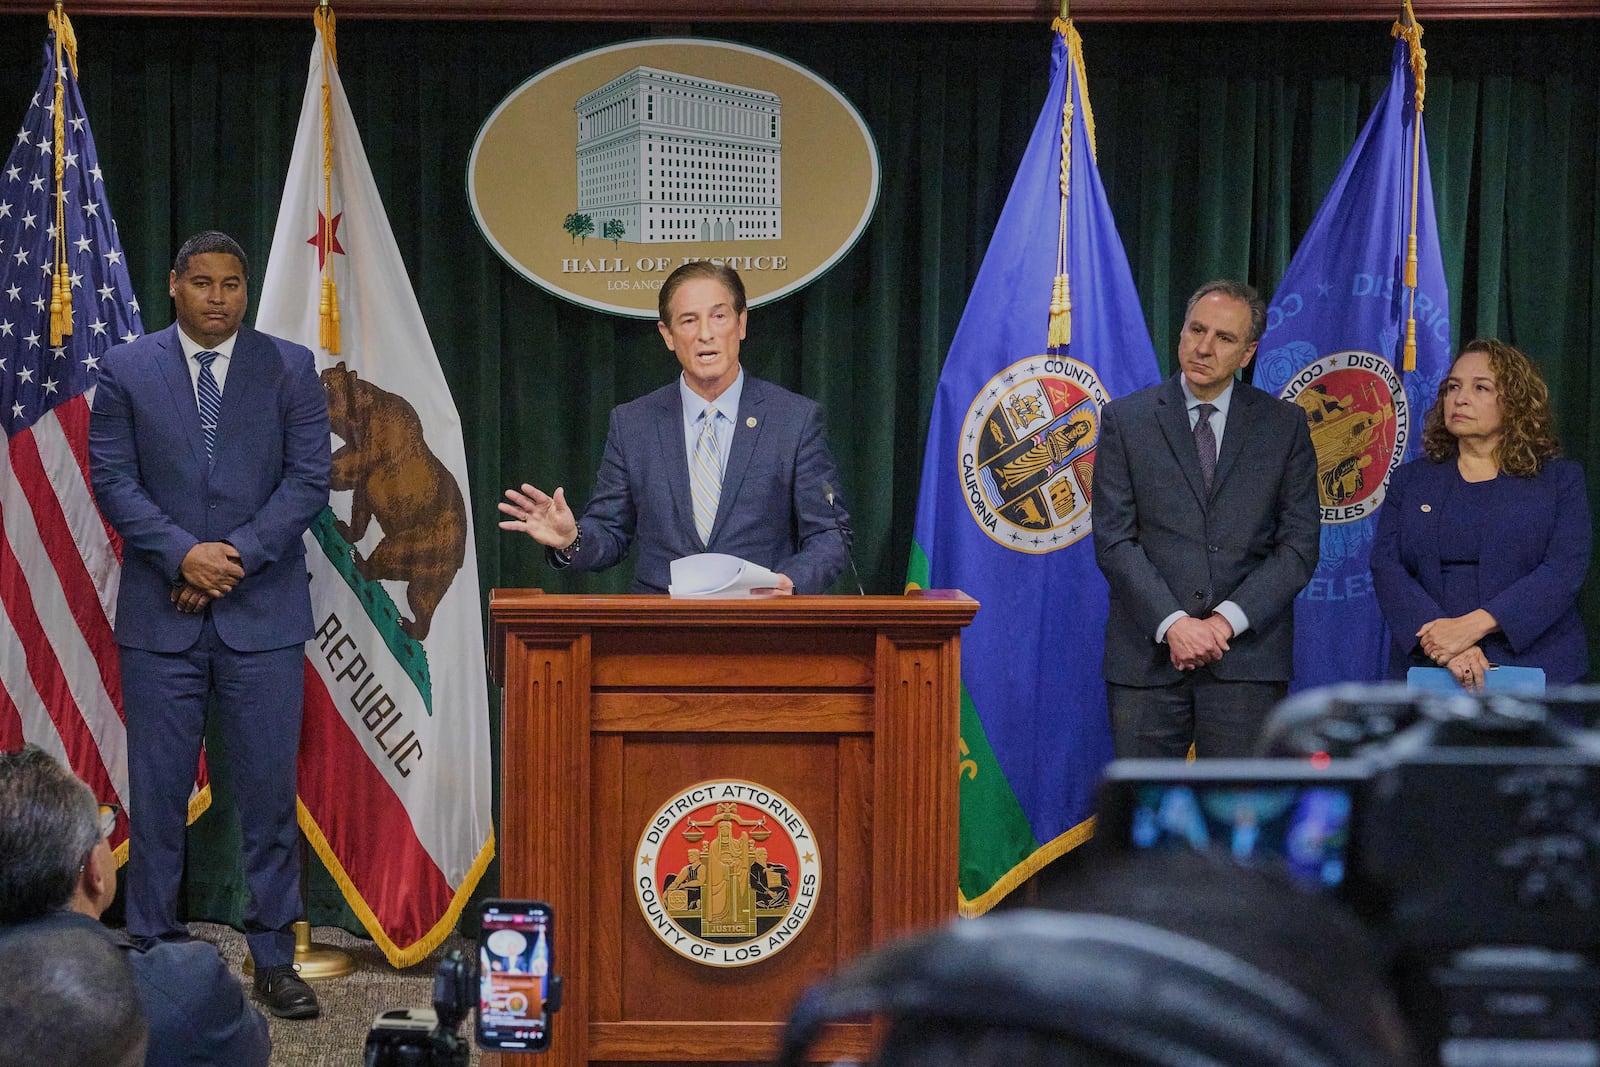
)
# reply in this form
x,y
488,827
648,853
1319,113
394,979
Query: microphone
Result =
x,y
840,524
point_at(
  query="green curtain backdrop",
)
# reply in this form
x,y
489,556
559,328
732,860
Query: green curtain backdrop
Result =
x,y
1216,143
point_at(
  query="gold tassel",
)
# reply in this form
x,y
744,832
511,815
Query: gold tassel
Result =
x,y
1060,314
328,300
61,283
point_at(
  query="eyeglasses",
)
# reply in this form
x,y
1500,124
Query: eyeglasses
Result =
x,y
107,816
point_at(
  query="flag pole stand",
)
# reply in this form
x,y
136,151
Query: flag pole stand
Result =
x,y
311,959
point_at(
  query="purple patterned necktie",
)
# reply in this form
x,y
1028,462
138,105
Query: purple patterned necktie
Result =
x,y
1205,442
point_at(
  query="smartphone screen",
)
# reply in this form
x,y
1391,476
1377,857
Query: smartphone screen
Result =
x,y
514,958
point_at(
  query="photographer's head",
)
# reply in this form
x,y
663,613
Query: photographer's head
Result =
x,y
53,853
1155,959
67,999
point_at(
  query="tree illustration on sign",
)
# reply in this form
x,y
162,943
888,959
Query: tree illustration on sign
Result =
x,y
579,226
613,231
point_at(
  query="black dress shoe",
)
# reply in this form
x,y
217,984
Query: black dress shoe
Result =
x,y
285,993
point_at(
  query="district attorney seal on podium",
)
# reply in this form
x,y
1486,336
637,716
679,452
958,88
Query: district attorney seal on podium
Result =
x,y
727,873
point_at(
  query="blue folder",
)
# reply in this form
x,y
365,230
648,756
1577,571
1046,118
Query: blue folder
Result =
x,y
1499,680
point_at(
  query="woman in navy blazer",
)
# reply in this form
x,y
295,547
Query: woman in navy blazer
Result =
x,y
1483,543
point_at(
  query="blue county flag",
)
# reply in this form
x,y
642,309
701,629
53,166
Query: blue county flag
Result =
x,y
1336,344
1006,483
65,297
394,757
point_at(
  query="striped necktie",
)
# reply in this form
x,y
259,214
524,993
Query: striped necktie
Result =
x,y
705,475
210,397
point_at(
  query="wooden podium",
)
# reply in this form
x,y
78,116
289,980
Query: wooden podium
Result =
x,y
847,707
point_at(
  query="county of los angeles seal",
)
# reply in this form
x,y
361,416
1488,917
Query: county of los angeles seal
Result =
x,y
1027,453
727,873
1355,405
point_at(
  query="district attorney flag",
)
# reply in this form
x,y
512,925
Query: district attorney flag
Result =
x,y
1335,344
1006,482
394,758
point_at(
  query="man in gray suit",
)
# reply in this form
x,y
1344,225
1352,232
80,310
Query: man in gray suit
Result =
x,y
717,461
1206,525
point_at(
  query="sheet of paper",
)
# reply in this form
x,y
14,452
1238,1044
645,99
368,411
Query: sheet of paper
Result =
x,y
718,575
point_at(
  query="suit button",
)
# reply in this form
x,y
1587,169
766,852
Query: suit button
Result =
x,y
1199,596
1213,548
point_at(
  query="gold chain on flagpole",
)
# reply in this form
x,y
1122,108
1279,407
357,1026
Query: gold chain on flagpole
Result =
x,y
61,282
1409,28
328,300
1060,332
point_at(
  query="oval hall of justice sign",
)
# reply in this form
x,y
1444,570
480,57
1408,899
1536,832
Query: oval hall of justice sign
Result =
x,y
597,176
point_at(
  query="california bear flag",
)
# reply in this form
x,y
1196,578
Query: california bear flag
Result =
x,y
394,756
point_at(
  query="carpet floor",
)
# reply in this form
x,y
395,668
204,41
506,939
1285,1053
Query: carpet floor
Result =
x,y
349,1004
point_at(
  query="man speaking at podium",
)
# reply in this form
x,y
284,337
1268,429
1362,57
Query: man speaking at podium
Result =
x,y
718,461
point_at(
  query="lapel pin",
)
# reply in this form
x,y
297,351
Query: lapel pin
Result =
x,y
751,422
1427,507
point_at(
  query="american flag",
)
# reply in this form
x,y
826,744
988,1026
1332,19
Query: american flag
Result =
x,y
59,561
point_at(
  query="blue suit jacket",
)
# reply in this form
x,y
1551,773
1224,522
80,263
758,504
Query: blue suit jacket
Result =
x,y
774,508
193,1005
1166,544
268,480
1537,538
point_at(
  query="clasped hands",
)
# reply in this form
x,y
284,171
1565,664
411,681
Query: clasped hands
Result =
x,y
210,571
1193,642
1453,645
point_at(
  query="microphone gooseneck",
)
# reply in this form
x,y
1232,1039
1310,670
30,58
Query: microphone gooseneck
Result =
x,y
840,524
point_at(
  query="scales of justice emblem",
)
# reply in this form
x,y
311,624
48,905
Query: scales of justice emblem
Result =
x,y
727,873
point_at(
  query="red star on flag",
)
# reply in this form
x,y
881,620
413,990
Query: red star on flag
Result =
x,y
333,235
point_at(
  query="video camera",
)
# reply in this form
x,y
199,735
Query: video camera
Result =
x,y
1463,830
516,992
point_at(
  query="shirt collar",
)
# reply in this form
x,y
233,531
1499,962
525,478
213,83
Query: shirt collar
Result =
x,y
1220,401
191,346
693,403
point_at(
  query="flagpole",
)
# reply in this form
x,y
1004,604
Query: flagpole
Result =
x,y
1409,28
60,284
1059,332
328,300
314,959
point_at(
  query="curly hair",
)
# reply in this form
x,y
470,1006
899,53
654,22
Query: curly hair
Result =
x,y
1528,435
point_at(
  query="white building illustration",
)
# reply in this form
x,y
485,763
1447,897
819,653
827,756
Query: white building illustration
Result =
x,y
679,158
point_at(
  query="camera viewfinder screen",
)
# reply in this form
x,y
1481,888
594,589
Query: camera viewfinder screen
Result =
x,y
1304,827
513,976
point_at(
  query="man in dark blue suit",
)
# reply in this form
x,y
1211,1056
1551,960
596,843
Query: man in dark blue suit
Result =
x,y
57,875
717,461
1206,526
209,455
